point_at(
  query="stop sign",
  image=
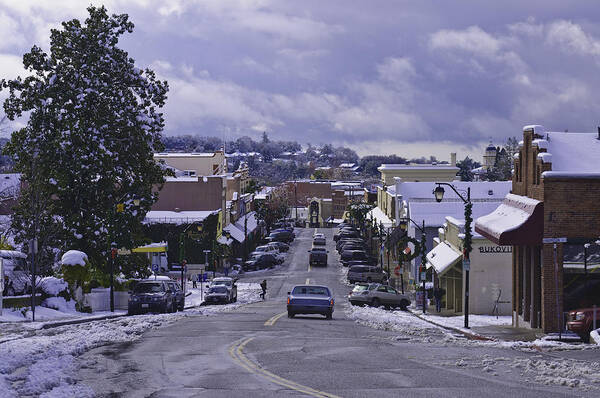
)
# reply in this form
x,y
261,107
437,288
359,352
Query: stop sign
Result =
x,y
397,270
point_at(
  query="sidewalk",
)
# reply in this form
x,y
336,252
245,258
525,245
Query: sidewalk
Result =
x,y
481,327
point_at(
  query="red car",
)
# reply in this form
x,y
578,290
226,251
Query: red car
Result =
x,y
581,321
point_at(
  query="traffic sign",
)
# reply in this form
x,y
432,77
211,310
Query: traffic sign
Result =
x,y
398,270
423,276
155,268
466,264
554,240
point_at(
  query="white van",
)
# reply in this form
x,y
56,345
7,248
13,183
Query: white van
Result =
x,y
15,269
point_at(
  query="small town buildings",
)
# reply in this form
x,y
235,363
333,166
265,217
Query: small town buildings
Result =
x,y
419,172
195,163
416,201
552,220
490,286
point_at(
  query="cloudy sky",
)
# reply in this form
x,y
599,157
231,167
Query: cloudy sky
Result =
x,y
412,78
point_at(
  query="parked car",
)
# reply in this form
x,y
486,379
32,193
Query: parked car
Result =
x,y
218,294
318,256
349,255
581,321
352,246
377,294
366,273
152,296
280,236
280,246
319,241
345,241
318,235
179,295
229,283
310,299
265,249
346,234
260,261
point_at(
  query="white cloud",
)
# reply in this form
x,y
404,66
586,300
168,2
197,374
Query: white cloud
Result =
x,y
10,32
473,40
571,37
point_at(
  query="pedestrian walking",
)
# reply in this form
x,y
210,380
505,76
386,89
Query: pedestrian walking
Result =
x,y
194,283
438,293
263,286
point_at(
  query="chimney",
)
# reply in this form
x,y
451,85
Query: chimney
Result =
x,y
453,158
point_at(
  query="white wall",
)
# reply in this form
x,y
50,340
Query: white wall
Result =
x,y
491,271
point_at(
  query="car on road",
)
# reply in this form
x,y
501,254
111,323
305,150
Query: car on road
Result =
x,y
228,282
280,246
280,236
318,235
377,294
310,299
342,242
318,256
319,241
178,293
153,296
261,261
366,273
350,255
266,249
581,321
352,246
218,294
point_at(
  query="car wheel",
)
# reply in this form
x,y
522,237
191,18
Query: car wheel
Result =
x,y
404,305
375,302
329,315
290,314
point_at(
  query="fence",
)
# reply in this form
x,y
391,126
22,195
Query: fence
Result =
x,y
99,299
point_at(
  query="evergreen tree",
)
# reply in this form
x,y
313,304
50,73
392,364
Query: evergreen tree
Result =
x,y
465,168
89,142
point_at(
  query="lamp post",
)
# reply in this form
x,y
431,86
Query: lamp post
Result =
x,y
422,269
439,195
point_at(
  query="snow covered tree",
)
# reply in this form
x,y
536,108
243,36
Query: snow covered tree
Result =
x,y
86,153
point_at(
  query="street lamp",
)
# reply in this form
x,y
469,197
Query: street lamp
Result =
x,y
438,192
404,226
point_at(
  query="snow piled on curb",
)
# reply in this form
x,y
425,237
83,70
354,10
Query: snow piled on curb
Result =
x,y
43,364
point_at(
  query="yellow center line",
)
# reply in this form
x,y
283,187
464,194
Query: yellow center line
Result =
x,y
308,281
236,351
271,321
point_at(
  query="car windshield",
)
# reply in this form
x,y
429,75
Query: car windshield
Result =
x,y
218,289
222,283
318,249
261,249
359,288
311,290
148,288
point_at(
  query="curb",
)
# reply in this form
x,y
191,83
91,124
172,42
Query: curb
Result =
x,y
470,336
51,325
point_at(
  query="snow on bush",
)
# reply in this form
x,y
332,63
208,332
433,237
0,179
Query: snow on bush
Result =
x,y
53,286
74,257
60,304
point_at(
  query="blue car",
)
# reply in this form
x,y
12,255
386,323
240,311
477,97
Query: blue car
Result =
x,y
310,299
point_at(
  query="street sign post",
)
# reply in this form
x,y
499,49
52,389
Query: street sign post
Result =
x,y
154,270
467,264
397,270
554,240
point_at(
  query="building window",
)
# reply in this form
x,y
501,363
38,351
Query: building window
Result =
x,y
189,173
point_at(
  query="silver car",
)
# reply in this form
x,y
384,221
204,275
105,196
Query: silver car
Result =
x,y
377,294
366,273
229,283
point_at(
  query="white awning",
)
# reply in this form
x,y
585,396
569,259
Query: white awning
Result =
x,y
235,232
379,216
224,241
251,224
442,258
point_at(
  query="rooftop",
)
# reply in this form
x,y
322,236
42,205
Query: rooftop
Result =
x,y
479,190
571,152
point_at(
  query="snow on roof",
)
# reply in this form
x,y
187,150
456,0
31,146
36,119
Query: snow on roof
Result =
x,y
508,216
74,257
479,190
434,214
387,166
573,152
235,232
177,217
184,154
442,257
250,225
347,165
181,179
379,216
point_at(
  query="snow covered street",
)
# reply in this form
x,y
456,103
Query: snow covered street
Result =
x,y
41,362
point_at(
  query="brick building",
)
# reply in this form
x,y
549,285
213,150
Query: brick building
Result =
x,y
555,194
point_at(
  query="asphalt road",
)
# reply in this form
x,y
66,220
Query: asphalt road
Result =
x,y
256,351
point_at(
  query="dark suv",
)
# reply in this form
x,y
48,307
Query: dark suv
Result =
x,y
260,261
154,296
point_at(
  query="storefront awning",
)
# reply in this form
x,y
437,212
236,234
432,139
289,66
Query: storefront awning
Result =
x,y
519,220
234,232
442,258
